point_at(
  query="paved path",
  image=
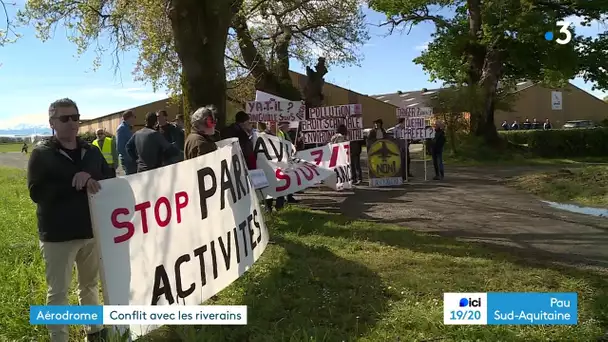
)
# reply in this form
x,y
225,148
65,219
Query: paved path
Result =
x,y
473,204
13,159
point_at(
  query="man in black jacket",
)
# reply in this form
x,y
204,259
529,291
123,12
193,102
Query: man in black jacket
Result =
x,y
437,150
241,129
148,147
60,173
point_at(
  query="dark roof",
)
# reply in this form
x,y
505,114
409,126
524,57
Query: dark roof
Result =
x,y
418,98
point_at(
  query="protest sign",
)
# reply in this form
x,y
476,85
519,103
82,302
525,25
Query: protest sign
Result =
x,y
335,157
276,111
286,174
323,122
384,160
413,112
179,234
262,96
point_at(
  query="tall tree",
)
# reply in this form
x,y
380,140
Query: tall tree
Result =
x,y
7,32
193,32
494,44
267,34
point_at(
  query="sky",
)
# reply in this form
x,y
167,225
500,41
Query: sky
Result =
x,y
33,73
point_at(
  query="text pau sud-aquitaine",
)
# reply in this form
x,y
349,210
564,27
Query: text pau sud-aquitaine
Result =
x,y
238,187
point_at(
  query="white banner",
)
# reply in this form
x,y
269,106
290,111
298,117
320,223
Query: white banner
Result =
x,y
416,133
335,157
285,174
412,112
177,235
262,96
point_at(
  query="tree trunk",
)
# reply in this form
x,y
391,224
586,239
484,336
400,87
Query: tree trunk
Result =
x,y
276,81
186,109
200,31
491,73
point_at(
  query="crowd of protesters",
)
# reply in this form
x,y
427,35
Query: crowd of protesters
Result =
x,y
64,168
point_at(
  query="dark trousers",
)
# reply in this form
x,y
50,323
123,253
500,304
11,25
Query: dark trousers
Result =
x,y
355,167
279,203
112,171
405,163
438,164
128,166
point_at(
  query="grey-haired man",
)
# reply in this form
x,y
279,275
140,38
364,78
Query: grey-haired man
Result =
x,y
60,173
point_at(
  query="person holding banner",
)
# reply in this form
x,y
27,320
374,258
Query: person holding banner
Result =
x,y
404,147
356,146
376,133
340,135
201,140
241,129
61,172
437,150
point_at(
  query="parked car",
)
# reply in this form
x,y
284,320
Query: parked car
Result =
x,y
579,124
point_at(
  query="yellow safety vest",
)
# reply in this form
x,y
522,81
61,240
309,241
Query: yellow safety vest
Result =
x,y
106,150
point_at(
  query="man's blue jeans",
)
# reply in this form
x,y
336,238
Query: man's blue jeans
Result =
x,y
438,164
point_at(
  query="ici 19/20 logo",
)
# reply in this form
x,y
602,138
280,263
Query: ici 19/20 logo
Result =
x,y
564,32
469,302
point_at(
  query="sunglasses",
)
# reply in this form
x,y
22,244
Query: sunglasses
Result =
x,y
66,118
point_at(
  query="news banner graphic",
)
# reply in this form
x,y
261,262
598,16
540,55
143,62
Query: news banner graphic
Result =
x,y
138,315
510,308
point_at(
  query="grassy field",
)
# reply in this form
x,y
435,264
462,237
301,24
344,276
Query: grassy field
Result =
x,y
585,185
11,147
326,278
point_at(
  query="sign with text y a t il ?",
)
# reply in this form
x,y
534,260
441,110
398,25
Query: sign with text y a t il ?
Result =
x,y
179,234
335,157
276,111
263,96
286,174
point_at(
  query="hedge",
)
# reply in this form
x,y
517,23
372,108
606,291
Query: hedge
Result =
x,y
562,142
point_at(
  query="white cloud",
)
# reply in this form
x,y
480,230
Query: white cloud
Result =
x,y
24,120
423,46
140,94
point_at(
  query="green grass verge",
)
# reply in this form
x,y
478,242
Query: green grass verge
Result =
x,y
326,278
11,147
585,185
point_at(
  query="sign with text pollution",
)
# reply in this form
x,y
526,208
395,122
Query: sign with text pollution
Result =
x,y
335,157
384,158
285,173
415,123
323,122
275,111
177,235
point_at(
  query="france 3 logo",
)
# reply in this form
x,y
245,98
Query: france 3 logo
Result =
x,y
565,35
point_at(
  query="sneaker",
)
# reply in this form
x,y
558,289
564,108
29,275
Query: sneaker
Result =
x,y
100,336
292,200
357,182
436,178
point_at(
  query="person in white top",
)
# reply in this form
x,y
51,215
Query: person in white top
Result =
x,y
340,135
404,148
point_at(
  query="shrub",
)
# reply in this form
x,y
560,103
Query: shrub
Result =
x,y
562,142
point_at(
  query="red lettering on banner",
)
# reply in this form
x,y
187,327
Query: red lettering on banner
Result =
x,y
165,201
319,156
120,225
282,176
144,216
179,205
181,201
334,156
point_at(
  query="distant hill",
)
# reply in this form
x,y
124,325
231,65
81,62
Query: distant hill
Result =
x,y
26,130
